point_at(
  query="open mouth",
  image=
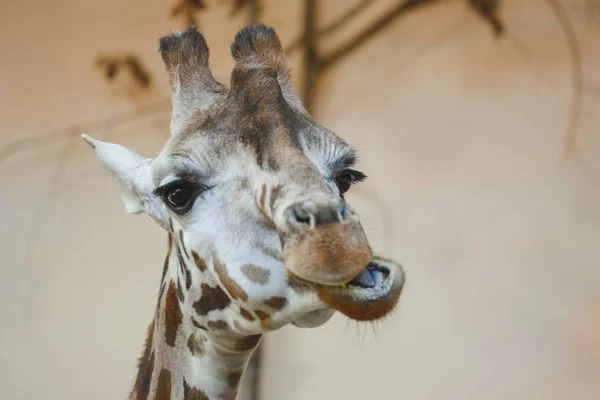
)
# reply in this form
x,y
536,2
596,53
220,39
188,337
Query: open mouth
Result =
x,y
372,276
370,295
337,262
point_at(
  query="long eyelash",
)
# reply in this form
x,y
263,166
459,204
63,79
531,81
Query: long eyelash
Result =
x,y
162,190
356,176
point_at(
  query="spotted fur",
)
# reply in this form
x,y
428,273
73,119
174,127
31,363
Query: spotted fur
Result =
x,y
173,316
190,393
145,369
200,263
277,303
256,274
266,225
212,299
195,344
233,288
246,314
163,386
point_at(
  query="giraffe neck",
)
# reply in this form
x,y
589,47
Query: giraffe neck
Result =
x,y
183,359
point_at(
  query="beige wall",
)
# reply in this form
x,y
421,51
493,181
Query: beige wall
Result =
x,y
461,137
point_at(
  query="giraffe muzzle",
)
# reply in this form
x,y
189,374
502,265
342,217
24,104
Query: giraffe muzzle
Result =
x,y
326,245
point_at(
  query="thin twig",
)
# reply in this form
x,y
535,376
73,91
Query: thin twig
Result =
x,y
371,30
311,58
253,12
35,229
55,136
576,76
488,11
335,25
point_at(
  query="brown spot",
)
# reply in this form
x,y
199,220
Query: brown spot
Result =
x,y
165,266
263,193
172,315
246,314
212,298
182,267
188,279
247,343
233,379
163,386
274,254
183,244
277,303
145,368
160,295
234,289
180,294
195,343
256,274
275,193
265,219
170,242
218,325
190,393
265,319
199,261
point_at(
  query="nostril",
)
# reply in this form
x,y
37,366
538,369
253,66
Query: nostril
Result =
x,y
313,215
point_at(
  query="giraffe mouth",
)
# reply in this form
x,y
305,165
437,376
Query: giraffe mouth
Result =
x,y
372,276
370,295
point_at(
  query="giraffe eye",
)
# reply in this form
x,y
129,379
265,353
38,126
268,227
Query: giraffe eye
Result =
x,y
343,182
347,178
179,196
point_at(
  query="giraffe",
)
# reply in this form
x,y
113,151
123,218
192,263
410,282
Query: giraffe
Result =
x,y
251,192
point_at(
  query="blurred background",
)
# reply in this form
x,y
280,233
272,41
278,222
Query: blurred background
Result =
x,y
476,120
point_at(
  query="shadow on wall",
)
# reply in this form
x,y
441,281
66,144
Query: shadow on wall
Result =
x,y
463,140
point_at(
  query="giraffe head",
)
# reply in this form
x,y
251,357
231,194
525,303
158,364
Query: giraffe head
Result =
x,y
251,190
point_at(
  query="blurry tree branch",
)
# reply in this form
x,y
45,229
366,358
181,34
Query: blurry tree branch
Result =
x,y
377,26
331,28
576,76
315,64
111,65
58,135
488,10
188,9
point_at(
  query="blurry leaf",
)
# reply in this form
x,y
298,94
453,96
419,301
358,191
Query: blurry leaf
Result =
x,y
138,71
488,10
111,65
188,9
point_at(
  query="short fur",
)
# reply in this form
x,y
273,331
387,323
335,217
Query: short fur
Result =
x,y
263,236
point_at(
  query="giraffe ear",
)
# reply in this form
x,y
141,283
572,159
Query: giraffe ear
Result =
x,y
131,172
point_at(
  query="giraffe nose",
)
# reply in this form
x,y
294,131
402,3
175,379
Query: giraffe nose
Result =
x,y
309,215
